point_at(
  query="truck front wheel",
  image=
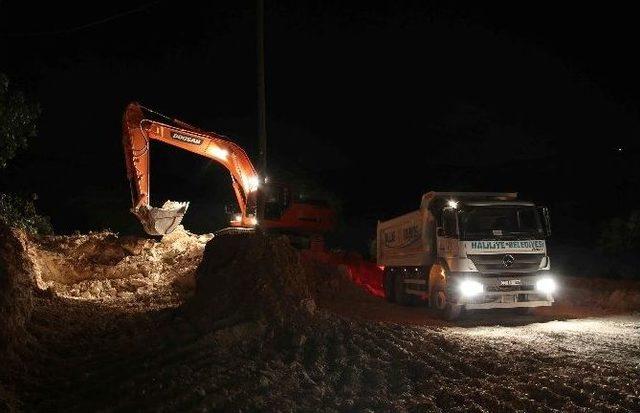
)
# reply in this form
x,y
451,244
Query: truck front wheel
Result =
x,y
452,312
443,307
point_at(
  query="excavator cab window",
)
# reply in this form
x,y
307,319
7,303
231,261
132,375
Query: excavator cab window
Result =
x,y
276,201
303,198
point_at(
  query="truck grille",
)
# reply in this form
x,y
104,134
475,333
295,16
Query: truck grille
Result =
x,y
507,288
495,264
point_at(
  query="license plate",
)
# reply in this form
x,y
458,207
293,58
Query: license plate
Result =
x,y
510,282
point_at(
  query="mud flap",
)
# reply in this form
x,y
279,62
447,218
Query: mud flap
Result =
x,y
162,221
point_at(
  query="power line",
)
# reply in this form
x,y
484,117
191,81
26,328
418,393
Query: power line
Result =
x,y
86,25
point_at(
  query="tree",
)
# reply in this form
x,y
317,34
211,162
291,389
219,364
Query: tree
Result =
x,y
17,125
17,121
621,235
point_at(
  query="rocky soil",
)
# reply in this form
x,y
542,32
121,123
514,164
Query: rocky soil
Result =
x,y
267,331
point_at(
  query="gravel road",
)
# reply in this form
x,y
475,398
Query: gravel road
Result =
x,y
116,361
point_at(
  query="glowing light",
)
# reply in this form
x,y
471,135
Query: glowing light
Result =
x,y
253,221
469,288
219,153
237,218
546,285
452,203
252,183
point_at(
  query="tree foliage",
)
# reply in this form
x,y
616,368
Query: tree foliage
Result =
x,y
17,125
17,121
621,235
20,213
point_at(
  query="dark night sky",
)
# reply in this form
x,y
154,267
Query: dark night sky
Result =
x,y
377,102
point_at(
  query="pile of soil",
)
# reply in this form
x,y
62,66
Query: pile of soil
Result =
x,y
102,266
599,293
89,350
17,283
252,277
15,291
56,290
334,283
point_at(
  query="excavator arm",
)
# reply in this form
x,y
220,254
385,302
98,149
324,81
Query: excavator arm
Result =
x,y
139,129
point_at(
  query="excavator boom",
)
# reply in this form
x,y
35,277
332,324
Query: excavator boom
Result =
x,y
139,129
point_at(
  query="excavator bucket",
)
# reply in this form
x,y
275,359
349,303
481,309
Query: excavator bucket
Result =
x,y
162,221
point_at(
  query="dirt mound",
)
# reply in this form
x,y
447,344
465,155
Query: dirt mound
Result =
x,y
86,357
333,283
252,277
17,286
599,293
103,266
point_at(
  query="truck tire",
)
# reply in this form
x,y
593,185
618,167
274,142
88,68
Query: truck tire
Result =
x,y
442,306
438,299
452,312
387,282
401,297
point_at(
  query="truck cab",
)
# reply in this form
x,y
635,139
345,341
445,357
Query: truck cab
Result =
x,y
477,251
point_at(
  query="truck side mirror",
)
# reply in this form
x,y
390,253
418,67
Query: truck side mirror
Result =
x,y
546,217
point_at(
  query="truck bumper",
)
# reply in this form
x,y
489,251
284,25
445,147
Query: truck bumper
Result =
x,y
487,306
515,299
501,291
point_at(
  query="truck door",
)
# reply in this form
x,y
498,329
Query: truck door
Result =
x,y
448,234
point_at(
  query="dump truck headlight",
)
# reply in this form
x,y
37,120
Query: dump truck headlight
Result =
x,y
546,285
470,288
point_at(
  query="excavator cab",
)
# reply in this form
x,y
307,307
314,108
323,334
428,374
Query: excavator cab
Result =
x,y
276,198
287,209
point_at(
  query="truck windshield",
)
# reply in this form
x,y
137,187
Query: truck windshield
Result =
x,y
499,221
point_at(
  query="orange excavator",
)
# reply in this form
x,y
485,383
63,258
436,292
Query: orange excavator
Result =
x,y
283,209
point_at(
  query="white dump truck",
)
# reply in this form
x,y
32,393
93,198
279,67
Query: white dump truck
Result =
x,y
468,250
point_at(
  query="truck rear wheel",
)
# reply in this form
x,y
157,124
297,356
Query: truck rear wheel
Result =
x,y
387,283
401,297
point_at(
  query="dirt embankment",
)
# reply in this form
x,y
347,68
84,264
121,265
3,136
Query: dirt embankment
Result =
x,y
17,289
267,330
117,270
252,277
55,290
599,293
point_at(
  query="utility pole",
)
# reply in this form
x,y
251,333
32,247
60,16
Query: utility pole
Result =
x,y
262,110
